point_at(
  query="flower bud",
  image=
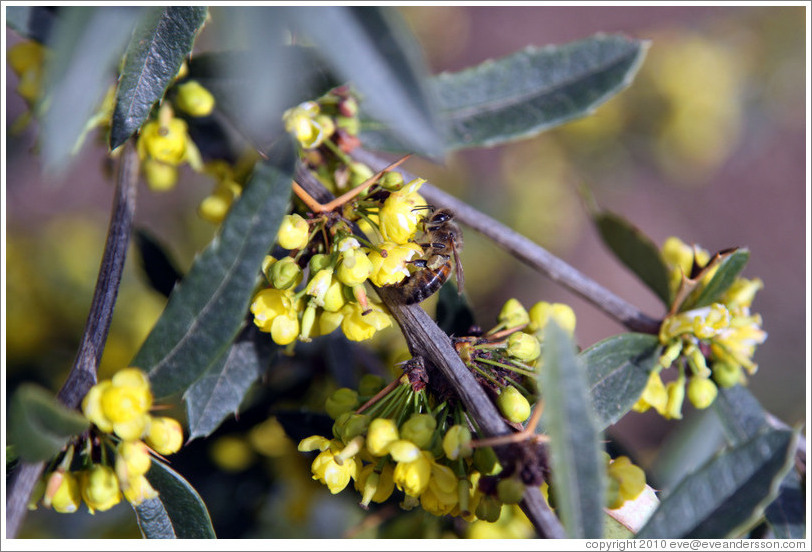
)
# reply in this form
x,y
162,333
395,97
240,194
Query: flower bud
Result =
x,y
350,124
523,347
419,429
67,497
742,292
359,173
329,321
353,426
285,273
489,509
513,314
132,460
701,392
319,261
285,328
308,319
513,405
727,375
631,479
165,435
100,488
293,232
358,326
160,176
675,390
194,99
314,442
342,400
457,442
382,433
510,490
541,312
486,461
392,181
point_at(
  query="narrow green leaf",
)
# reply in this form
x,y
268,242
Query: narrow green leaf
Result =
x,y
729,267
618,369
372,48
221,389
87,45
39,425
527,92
577,467
454,314
207,309
742,417
156,264
178,512
160,43
636,251
726,495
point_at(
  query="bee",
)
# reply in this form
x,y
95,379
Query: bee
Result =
x,y
444,241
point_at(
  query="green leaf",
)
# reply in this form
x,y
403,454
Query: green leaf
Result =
x,y
39,425
729,268
576,463
636,251
177,513
726,495
742,417
454,314
156,51
87,45
618,369
527,92
372,48
221,389
207,309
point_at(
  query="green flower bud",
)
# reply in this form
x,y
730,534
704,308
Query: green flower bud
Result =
x,y
359,173
523,347
419,429
370,384
392,181
355,425
701,392
341,401
489,509
285,273
349,124
404,451
194,99
513,314
727,375
510,490
486,461
319,261
513,405
613,498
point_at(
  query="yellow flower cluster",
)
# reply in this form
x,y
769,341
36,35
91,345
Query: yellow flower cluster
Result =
x,y
119,410
712,345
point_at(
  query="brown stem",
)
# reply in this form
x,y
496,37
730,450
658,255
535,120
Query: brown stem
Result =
x,y
83,373
530,253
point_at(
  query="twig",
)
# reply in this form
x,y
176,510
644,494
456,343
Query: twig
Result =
x,y
83,373
530,253
426,339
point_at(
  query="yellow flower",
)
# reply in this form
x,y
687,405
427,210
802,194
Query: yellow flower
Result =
x,y
392,268
513,314
413,477
194,99
402,450
676,395
276,313
314,442
354,268
293,232
374,486
168,143
631,480
165,435
741,293
120,405
100,488
358,326
329,321
654,395
329,472
132,460
160,176
302,123
400,215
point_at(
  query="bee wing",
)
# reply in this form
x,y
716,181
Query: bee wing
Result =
x,y
458,270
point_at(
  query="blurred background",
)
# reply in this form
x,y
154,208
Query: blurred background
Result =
x,y
708,144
